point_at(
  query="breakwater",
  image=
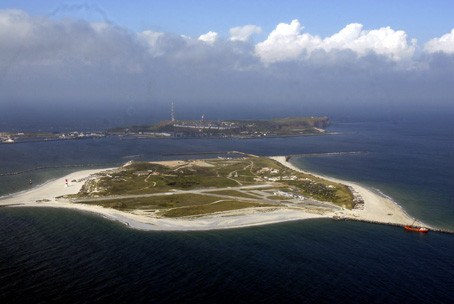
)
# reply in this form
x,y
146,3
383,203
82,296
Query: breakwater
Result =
x,y
341,218
324,154
207,153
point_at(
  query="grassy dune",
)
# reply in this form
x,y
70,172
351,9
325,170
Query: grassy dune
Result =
x,y
233,193
153,178
154,202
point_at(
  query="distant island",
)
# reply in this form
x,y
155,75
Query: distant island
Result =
x,y
246,128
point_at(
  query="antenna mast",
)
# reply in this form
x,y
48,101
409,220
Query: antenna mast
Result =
x,y
173,113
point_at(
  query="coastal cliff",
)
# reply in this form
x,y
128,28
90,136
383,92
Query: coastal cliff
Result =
x,y
289,126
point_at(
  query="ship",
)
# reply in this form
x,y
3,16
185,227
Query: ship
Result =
x,y
8,140
418,229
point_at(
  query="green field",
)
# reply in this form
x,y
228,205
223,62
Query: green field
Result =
x,y
212,177
233,193
154,202
245,127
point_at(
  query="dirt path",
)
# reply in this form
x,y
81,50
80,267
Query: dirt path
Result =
x,y
231,178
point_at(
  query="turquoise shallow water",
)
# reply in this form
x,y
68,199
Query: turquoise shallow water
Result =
x,y
49,255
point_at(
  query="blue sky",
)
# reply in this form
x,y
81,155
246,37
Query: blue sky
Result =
x,y
421,19
287,54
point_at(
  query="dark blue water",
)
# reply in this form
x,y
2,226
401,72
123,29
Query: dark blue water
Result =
x,y
51,255
410,160
57,255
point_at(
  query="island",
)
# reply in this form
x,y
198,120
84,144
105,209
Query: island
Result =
x,y
30,137
246,128
200,194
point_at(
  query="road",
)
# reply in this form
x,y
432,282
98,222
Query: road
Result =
x,y
263,199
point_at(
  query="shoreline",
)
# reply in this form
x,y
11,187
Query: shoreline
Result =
x,y
11,195
377,208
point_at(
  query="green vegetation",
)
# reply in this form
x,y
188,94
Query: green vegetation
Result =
x,y
146,178
193,179
320,189
242,128
278,197
285,126
154,202
137,179
212,208
233,193
301,122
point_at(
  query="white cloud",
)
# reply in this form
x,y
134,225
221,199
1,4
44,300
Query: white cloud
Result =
x,y
243,33
443,44
100,26
150,37
209,37
15,25
88,61
384,41
40,41
287,42
151,40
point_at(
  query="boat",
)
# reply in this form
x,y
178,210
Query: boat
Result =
x,y
418,229
8,140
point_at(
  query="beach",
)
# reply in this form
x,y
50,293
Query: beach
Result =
x,y
377,208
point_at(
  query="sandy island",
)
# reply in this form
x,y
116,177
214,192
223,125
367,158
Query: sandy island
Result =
x,y
377,208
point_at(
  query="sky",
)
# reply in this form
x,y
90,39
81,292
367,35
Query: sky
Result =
x,y
293,55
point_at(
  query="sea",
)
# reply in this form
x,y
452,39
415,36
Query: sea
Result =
x,y
64,256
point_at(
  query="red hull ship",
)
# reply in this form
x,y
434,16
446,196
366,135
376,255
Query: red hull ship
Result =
x,y
418,229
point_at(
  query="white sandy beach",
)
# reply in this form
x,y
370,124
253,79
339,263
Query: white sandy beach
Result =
x,y
46,196
377,208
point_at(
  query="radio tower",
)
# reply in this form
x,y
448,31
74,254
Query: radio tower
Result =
x,y
173,114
